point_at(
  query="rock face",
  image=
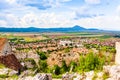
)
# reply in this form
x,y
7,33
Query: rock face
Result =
x,y
42,77
84,76
37,77
67,76
10,61
117,57
7,71
5,47
113,71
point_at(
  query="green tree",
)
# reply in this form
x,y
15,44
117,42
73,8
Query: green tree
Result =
x,y
56,70
43,66
64,67
42,55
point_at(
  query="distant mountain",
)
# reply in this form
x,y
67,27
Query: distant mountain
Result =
x,y
75,28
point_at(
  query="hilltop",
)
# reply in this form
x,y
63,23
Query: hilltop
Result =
x,y
35,29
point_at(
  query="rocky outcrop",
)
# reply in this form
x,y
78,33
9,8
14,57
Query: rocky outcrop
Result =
x,y
91,75
67,76
37,77
117,57
8,72
113,71
10,61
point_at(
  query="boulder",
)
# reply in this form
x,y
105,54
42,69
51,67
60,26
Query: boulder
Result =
x,y
42,77
114,72
117,56
67,76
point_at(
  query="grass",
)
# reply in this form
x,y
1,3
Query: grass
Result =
x,y
15,77
2,66
56,76
64,37
105,76
104,37
3,76
26,38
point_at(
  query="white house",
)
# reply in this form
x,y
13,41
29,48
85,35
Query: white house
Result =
x,y
65,43
5,47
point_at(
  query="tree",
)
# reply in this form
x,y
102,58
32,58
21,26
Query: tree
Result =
x,y
64,67
42,55
56,69
43,66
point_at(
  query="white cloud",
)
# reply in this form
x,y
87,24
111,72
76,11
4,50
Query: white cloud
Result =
x,y
100,22
118,10
3,23
19,13
43,19
11,1
59,20
93,1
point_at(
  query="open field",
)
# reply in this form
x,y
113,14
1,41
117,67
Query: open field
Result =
x,y
28,37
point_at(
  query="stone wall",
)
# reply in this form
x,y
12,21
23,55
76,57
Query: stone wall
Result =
x,y
117,57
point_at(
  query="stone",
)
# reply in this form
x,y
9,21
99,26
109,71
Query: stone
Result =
x,y
78,77
4,71
114,72
12,72
100,74
42,77
67,76
117,56
37,77
89,75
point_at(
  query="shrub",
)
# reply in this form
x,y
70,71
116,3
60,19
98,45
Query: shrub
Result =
x,y
43,67
56,70
91,62
3,76
64,67
42,55
30,60
73,65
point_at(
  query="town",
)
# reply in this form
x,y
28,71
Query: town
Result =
x,y
58,57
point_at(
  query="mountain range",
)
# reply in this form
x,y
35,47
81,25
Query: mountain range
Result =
x,y
75,28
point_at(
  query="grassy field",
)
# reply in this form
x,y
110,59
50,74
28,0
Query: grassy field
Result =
x,y
23,36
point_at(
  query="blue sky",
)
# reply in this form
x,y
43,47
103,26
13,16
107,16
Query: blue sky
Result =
x,y
101,14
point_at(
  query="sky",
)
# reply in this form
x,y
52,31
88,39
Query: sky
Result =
x,y
101,14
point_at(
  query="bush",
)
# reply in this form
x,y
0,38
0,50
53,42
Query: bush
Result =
x,y
56,70
30,60
43,67
3,76
42,55
91,62
64,67
73,65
